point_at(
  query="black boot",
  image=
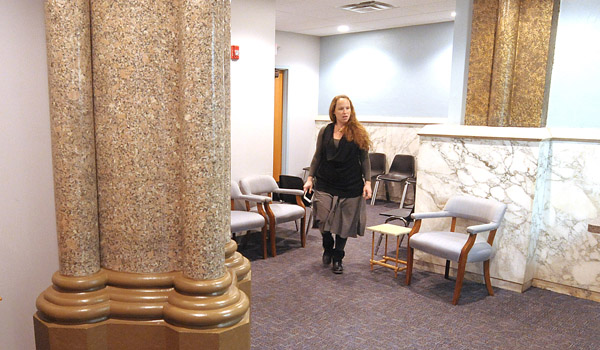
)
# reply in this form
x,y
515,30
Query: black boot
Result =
x,y
337,267
327,247
327,257
337,262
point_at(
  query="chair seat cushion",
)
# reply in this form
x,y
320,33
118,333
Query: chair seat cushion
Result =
x,y
245,220
286,212
448,245
400,212
397,177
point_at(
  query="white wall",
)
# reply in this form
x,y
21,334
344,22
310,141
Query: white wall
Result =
x,y
252,87
460,61
400,72
28,248
299,54
574,92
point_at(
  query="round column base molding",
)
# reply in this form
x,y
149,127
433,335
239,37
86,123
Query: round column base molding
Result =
x,y
170,297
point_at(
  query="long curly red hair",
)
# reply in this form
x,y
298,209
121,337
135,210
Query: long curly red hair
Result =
x,y
354,130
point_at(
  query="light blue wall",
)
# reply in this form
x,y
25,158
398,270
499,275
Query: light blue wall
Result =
x,y
401,72
575,85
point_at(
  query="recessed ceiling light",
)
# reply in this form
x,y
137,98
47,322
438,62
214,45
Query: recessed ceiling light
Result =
x,y
453,14
343,28
367,6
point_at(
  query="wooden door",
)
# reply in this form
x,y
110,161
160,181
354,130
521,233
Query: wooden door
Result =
x,y
278,124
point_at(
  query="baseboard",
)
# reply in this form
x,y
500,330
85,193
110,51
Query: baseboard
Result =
x,y
569,290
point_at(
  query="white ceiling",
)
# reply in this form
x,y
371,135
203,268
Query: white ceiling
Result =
x,y
322,17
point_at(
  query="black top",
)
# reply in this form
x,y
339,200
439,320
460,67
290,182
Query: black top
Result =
x,y
339,169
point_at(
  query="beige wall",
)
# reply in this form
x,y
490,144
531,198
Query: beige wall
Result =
x,y
28,248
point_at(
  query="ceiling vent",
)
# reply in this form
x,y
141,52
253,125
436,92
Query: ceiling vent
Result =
x,y
367,6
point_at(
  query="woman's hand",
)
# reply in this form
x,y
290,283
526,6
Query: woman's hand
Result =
x,y
308,185
366,190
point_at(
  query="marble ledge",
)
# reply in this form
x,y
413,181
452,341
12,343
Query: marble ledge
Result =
x,y
391,120
512,133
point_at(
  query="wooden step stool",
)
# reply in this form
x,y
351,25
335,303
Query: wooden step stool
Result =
x,y
388,230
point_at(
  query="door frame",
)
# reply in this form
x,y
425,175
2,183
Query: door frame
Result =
x,y
284,121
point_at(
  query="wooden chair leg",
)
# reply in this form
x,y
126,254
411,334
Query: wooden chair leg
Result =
x,y
486,274
460,274
447,270
409,263
303,231
264,240
272,237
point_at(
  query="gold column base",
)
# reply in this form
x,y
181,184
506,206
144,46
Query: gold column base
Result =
x,y
239,264
114,334
168,296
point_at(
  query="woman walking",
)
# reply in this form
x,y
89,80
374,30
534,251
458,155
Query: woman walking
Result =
x,y
340,174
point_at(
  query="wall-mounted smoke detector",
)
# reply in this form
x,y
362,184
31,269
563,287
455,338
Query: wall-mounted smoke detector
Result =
x,y
367,6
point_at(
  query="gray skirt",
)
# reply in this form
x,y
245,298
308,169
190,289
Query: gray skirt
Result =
x,y
346,217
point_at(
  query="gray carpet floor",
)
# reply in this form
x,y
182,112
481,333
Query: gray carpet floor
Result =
x,y
297,303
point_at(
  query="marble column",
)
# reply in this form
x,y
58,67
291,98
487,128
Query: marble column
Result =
x,y
78,287
73,144
510,62
141,146
205,138
136,103
504,62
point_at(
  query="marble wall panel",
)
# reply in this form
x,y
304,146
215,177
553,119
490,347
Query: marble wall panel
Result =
x,y
567,253
504,170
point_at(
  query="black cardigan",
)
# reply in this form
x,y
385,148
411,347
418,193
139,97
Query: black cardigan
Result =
x,y
339,171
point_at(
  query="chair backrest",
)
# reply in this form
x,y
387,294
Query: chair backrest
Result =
x,y
403,164
290,182
235,190
258,184
378,163
478,209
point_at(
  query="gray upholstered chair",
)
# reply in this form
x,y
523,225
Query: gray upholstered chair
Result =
x,y
242,220
456,246
277,212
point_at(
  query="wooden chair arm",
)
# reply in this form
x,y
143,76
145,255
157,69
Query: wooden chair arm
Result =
x,y
416,228
261,211
269,212
468,245
300,202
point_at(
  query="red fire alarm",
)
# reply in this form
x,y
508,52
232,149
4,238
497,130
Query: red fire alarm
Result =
x,y
235,52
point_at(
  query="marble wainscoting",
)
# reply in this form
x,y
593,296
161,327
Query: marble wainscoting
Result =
x,y
568,254
548,180
391,136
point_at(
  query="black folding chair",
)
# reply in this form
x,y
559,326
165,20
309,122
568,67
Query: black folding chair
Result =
x,y
402,168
